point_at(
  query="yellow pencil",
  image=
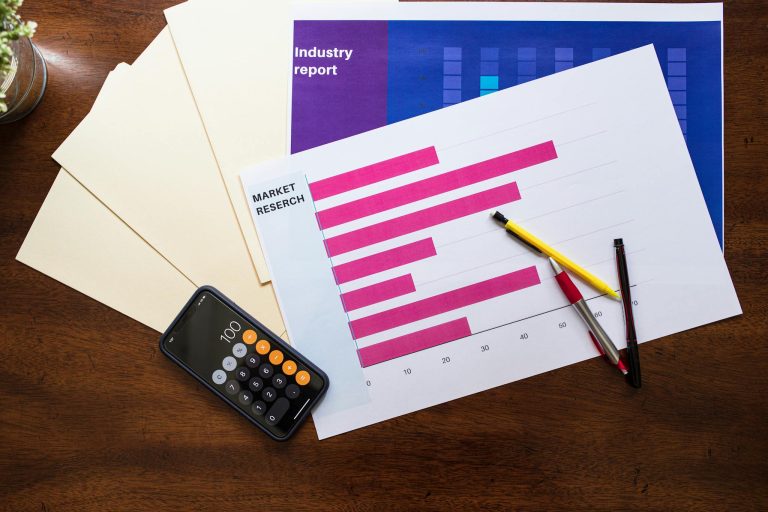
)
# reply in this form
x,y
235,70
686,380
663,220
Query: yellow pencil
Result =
x,y
532,241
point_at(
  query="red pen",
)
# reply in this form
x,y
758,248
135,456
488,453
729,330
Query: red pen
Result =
x,y
580,305
621,366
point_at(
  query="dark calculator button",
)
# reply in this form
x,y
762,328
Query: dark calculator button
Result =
x,y
242,374
232,387
292,391
259,408
276,413
269,394
256,384
279,381
252,361
245,397
266,370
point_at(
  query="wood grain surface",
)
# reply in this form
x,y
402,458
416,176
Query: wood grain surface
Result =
x,y
93,418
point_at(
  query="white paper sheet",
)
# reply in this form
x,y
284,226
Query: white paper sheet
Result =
x,y
621,170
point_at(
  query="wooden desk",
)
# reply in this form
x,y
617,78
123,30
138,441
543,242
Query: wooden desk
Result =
x,y
93,418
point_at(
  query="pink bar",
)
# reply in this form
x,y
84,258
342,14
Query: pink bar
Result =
x,y
445,302
439,184
373,173
378,292
384,260
422,219
414,342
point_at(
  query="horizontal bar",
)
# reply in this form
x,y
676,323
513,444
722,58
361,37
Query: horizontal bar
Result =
x,y
439,184
373,173
384,260
378,292
445,302
414,342
422,219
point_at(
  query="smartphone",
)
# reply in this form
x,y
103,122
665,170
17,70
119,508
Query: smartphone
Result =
x,y
244,363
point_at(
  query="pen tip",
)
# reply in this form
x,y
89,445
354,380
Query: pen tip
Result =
x,y
555,266
614,295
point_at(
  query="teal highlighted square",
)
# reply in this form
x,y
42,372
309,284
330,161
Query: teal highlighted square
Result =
x,y
483,92
489,82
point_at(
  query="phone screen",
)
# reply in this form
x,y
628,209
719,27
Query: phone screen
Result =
x,y
251,368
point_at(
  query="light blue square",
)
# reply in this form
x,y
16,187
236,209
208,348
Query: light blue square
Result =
x,y
526,54
676,83
562,66
676,69
452,96
451,53
483,92
676,55
489,82
564,54
678,97
600,53
526,68
684,125
489,54
451,82
681,111
489,68
451,67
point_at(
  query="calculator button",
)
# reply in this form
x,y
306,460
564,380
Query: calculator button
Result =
x,y
276,413
229,363
292,391
219,376
252,361
302,378
249,337
289,367
256,384
259,408
276,357
269,394
279,380
262,347
266,370
245,397
232,387
242,374
239,350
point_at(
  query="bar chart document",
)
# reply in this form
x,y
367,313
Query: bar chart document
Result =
x,y
394,278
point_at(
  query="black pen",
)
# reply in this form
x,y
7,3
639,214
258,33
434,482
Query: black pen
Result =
x,y
633,355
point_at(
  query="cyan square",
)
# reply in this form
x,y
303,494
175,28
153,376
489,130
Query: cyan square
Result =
x,y
564,54
526,54
452,67
676,69
483,92
676,83
523,79
676,55
526,68
452,82
489,82
678,97
562,66
489,54
681,111
452,53
489,68
600,53
452,96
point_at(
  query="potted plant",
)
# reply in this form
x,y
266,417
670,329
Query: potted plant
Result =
x,y
23,73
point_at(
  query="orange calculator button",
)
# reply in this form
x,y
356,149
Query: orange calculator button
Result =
x,y
262,347
249,337
289,367
302,378
276,357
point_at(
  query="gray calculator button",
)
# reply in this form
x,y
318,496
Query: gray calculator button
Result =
x,y
259,408
239,350
229,363
269,394
242,374
219,377
245,397
279,381
276,413
232,387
